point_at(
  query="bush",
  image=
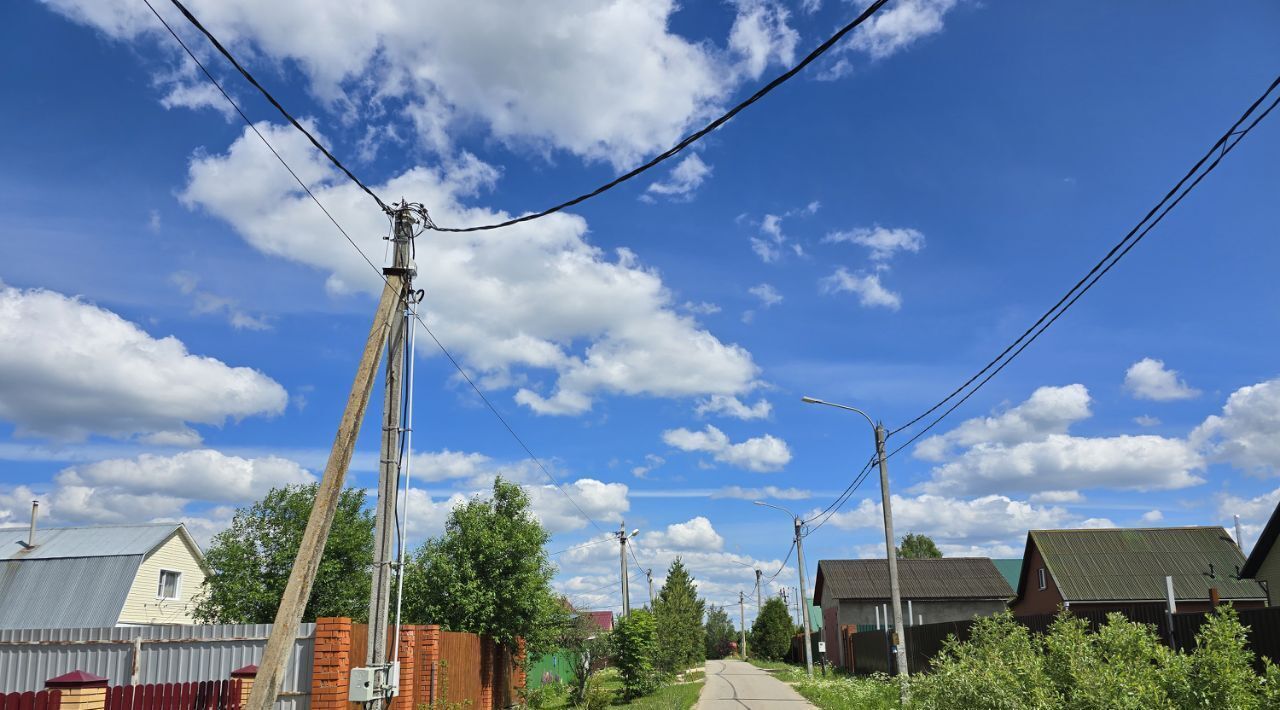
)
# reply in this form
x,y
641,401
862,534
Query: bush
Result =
x,y
1123,666
771,633
546,696
634,646
595,695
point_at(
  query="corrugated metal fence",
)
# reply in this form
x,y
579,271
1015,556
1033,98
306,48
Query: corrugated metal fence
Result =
x,y
150,654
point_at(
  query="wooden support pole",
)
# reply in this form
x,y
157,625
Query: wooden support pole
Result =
x,y
296,593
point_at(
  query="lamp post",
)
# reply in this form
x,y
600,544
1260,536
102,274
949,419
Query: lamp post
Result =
x,y
898,639
759,584
804,593
626,587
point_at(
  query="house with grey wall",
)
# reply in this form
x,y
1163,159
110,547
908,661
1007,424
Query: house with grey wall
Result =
x,y
855,593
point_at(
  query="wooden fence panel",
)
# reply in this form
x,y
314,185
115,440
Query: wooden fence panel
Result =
x,y
870,651
459,666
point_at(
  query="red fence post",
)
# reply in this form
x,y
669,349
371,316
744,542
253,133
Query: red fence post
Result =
x,y
331,664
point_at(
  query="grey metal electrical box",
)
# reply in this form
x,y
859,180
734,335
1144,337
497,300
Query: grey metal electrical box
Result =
x,y
374,683
365,685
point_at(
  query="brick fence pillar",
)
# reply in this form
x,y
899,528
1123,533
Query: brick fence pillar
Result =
x,y
427,663
80,690
406,697
331,664
246,677
487,674
518,679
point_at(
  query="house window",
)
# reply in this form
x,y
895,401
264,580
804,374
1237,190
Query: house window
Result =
x,y
1040,573
170,584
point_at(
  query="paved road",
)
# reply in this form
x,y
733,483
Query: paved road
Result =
x,y
733,685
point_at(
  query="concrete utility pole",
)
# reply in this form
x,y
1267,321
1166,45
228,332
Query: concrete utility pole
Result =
x,y
759,584
622,551
742,621
649,573
799,539
384,521
298,589
897,639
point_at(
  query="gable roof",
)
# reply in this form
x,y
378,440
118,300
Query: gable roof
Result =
x,y
76,577
602,619
1011,569
1130,564
86,541
941,578
1262,548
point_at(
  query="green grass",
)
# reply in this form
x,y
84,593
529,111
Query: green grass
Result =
x,y
671,696
836,691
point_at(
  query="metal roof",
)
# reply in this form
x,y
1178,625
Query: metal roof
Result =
x,y
1130,564
88,541
941,578
1011,569
67,592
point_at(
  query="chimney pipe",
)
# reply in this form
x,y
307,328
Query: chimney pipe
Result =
x,y
31,536
1239,535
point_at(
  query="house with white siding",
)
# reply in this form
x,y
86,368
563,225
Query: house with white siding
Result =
x,y
99,575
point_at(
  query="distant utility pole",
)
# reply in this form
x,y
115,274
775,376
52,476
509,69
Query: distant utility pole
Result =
x,y
384,521
742,621
649,573
622,551
804,618
759,605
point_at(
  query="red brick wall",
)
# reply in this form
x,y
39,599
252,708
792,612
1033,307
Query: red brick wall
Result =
x,y
331,664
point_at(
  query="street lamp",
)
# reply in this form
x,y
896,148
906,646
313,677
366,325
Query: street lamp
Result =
x,y
898,639
804,593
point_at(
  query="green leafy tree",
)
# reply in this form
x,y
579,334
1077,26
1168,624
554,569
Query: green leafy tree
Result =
x,y
771,633
635,642
916,546
251,560
678,612
719,632
488,574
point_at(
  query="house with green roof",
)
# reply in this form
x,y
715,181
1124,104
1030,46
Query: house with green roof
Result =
x,y
1123,569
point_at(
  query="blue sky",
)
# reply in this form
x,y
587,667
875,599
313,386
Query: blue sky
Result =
x,y
179,327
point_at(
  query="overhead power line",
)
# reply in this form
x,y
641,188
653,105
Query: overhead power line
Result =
x,y
664,156
417,317
1222,147
249,77
835,505
692,137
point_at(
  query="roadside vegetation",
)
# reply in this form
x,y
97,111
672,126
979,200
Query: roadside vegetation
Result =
x,y
1123,666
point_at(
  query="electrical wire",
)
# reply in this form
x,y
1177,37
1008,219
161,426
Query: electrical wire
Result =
x,y
844,495
1223,146
249,77
579,547
692,137
689,140
373,266
784,562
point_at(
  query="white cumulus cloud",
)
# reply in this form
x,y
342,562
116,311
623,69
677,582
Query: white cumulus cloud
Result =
x,y
69,369
694,534
734,407
535,297
871,293
1148,378
883,242
685,179
761,454
1245,434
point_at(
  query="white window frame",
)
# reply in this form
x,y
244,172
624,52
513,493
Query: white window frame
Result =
x,y
1041,574
177,587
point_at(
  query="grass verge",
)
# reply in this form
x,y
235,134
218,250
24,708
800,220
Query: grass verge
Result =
x,y
836,692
